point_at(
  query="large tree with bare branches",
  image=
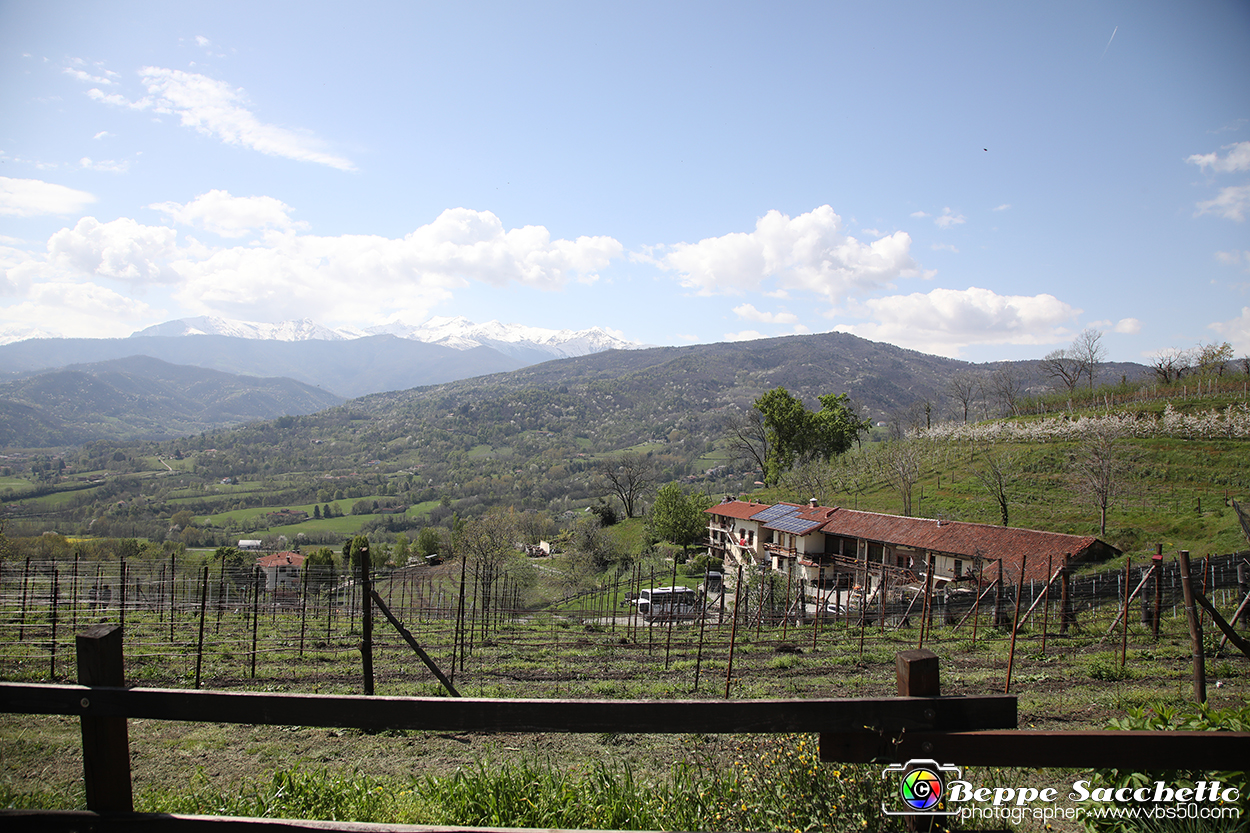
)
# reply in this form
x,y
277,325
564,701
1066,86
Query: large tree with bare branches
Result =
x,y
629,477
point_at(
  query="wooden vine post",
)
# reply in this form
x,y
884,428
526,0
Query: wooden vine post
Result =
x,y
1195,630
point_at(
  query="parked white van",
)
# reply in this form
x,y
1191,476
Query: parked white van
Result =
x,y
662,603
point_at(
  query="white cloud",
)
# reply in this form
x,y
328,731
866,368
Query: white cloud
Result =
x,y
348,279
1232,203
805,253
217,211
215,109
291,275
34,197
88,78
944,321
77,309
1236,331
1127,326
1003,207
745,335
203,41
104,165
920,214
122,250
949,218
1235,257
943,247
1237,159
103,134
748,312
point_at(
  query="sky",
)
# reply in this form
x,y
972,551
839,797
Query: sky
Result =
x,y
974,180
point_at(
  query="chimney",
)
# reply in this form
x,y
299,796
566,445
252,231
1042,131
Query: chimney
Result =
x,y
813,503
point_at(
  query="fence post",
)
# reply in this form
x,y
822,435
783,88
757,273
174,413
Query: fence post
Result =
x,y
1195,629
366,619
105,740
917,673
1065,597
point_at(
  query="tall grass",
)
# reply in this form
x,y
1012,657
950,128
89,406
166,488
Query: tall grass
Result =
x,y
773,783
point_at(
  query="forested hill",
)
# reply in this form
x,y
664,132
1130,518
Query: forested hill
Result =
x,y
142,397
665,381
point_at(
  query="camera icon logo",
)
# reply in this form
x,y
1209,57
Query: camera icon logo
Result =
x,y
921,787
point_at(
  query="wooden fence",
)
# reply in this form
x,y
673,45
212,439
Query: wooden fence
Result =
x,y
917,723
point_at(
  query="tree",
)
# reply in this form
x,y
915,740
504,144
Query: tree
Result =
x,y
964,387
998,473
679,518
1007,388
1100,468
1088,348
899,464
319,565
1063,366
629,477
747,436
1213,358
794,433
489,546
1170,364
238,566
429,541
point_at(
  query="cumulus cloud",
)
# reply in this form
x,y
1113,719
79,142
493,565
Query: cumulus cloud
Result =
x,y
76,308
1127,326
219,212
807,253
34,197
920,215
943,247
216,109
748,312
122,249
293,275
1236,331
944,321
948,218
1005,206
348,279
1231,203
1237,159
745,335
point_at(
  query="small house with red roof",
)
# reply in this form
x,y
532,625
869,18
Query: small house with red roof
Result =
x,y
282,570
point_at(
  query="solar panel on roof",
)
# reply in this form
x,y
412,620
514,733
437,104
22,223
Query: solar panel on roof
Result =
x,y
773,512
794,524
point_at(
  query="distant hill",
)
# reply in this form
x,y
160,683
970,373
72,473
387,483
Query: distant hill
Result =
x,y
879,377
347,368
142,398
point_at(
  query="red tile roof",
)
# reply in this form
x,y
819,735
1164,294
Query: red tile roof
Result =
x,y
739,509
281,559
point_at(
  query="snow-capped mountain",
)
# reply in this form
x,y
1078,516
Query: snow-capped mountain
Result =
x,y
11,335
510,339
300,330
527,343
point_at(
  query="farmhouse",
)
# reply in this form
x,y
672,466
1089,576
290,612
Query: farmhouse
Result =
x,y
281,570
832,547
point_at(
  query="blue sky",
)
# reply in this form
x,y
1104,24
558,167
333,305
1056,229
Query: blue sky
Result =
x,y
980,180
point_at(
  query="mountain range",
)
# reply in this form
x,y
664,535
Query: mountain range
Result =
x,y
631,392
140,397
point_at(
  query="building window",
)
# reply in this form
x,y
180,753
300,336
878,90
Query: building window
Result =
x,y
959,568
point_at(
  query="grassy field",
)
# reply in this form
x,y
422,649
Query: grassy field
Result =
x,y
444,777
